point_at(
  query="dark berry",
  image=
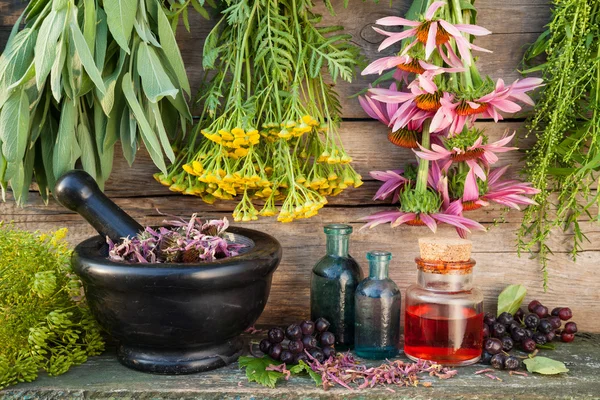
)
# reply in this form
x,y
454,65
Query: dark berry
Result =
x,y
555,311
485,358
321,324
489,319
275,351
295,346
308,327
512,363
328,351
505,318
275,335
301,357
309,342
545,326
539,338
550,336
498,330
293,332
541,311
327,339
518,335
532,321
570,327
507,344
317,354
493,346
486,331
533,305
519,315
264,346
287,357
528,333
565,314
555,321
513,325
528,345
497,361
567,337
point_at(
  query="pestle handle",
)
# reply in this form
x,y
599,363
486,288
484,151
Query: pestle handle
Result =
x,y
79,192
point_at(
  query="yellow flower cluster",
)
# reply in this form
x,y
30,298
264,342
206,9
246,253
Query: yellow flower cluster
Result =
x,y
287,166
289,129
236,142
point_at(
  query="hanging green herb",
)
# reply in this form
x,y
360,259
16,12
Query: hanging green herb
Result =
x,y
45,321
80,76
566,157
269,121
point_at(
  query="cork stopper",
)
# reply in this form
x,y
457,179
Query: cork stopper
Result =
x,y
445,249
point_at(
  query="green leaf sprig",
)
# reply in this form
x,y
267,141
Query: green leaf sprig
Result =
x,y
565,161
510,299
545,366
45,321
80,76
256,370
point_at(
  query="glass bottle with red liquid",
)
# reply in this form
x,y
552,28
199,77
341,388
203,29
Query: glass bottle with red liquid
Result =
x,y
444,312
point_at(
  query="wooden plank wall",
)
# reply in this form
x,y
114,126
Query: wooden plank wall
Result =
x,y
514,23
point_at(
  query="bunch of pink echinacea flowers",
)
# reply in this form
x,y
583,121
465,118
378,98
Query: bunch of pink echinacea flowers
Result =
x,y
431,107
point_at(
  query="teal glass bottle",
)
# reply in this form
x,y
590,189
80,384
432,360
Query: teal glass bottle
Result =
x,y
377,305
333,283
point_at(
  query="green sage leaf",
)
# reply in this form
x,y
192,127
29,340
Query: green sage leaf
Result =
x,y
14,130
101,39
86,144
545,366
56,84
171,50
162,133
46,44
86,57
89,24
155,81
511,298
128,137
121,16
148,135
66,151
16,61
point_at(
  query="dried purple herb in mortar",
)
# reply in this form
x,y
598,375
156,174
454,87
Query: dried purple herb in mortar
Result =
x,y
190,241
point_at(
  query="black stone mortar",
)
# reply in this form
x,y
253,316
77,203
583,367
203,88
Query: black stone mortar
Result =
x,y
168,318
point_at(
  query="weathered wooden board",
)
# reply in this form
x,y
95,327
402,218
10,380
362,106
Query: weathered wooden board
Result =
x,y
104,378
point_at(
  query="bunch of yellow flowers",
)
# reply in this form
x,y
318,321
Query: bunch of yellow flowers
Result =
x,y
269,127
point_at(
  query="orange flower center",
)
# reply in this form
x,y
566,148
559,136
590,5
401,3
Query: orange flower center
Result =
x,y
441,37
429,101
412,66
467,155
470,205
404,138
465,109
415,222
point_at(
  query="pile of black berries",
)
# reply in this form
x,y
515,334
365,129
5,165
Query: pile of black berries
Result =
x,y
288,345
505,332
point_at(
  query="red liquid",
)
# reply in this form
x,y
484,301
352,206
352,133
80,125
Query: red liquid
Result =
x,y
442,333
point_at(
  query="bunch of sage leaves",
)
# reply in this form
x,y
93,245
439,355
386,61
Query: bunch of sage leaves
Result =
x,y
80,76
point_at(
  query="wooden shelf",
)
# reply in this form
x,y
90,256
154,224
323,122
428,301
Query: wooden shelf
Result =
x,y
103,378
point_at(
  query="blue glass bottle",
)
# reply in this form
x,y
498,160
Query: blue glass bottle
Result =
x,y
333,283
377,305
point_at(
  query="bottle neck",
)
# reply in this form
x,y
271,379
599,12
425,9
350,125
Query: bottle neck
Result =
x,y
452,282
379,269
337,245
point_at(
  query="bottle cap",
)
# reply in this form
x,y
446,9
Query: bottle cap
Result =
x,y
445,249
